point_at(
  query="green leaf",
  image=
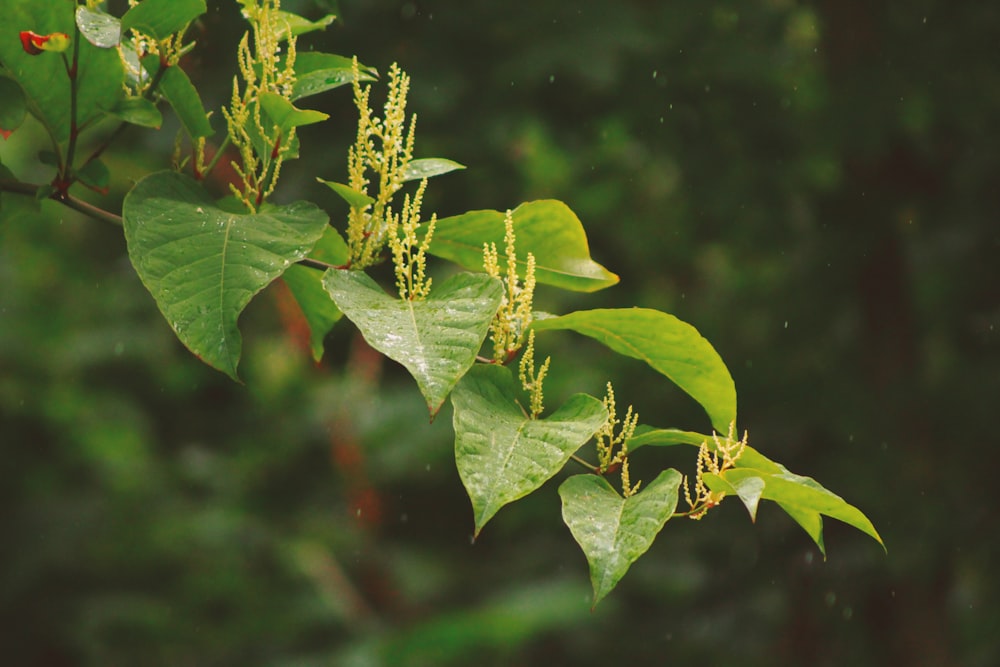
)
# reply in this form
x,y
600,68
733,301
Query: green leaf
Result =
x,y
183,97
436,339
203,264
318,72
286,24
645,435
670,346
285,115
14,108
43,78
354,198
306,284
614,531
802,497
138,111
501,453
95,175
99,28
546,228
428,168
161,18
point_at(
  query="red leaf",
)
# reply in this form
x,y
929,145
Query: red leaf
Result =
x,y
34,43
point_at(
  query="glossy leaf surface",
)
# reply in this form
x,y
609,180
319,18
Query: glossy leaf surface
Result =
x,y
318,72
614,531
670,346
501,453
429,167
203,264
806,499
436,339
546,228
99,28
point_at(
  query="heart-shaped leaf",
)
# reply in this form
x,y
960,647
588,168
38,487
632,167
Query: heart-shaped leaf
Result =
x,y
436,339
501,453
203,264
614,531
668,345
548,229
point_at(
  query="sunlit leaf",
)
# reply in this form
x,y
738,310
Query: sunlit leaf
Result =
x,y
203,264
614,531
501,453
547,228
436,339
670,346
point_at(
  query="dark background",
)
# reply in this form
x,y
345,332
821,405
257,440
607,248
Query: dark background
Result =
x,y
814,185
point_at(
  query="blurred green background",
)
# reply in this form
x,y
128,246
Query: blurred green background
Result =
x,y
814,185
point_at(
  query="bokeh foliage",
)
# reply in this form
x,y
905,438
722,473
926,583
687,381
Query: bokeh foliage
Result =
x,y
812,184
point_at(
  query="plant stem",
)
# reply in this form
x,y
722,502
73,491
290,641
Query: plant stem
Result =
x,y
215,158
63,198
590,467
66,168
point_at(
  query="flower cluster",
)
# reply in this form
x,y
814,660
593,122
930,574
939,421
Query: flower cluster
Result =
x,y
514,316
261,144
612,446
409,254
713,460
532,379
384,146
